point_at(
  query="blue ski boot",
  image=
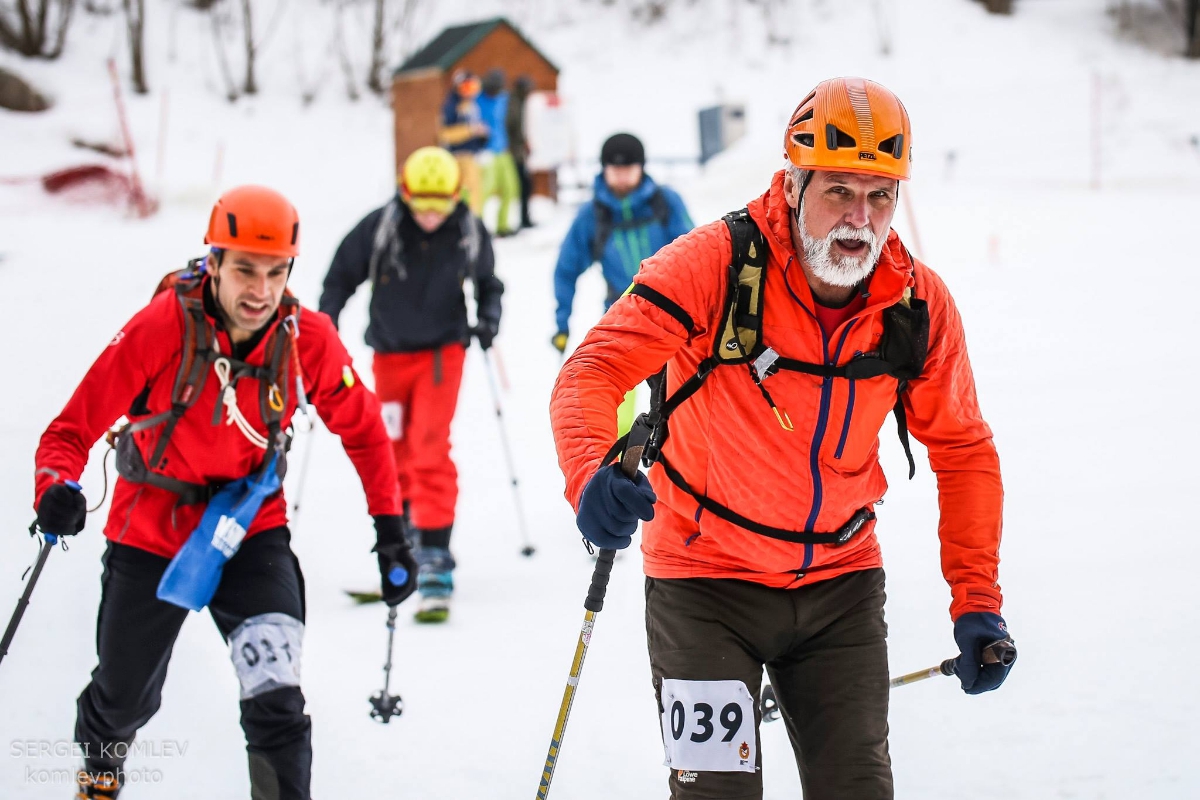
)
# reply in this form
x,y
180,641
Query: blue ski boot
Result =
x,y
435,583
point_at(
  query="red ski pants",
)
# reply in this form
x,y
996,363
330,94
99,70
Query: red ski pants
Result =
x,y
419,392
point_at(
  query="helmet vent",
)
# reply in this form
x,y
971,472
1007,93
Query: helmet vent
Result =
x,y
805,139
806,116
893,146
835,138
232,225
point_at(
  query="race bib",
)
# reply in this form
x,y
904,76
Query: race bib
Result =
x,y
266,653
393,420
708,726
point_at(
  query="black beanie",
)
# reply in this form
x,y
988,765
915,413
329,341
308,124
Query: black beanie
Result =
x,y
622,149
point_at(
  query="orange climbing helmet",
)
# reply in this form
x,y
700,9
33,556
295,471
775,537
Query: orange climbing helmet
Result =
x,y
255,219
850,125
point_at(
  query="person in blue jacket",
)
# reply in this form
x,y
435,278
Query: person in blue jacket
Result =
x,y
629,219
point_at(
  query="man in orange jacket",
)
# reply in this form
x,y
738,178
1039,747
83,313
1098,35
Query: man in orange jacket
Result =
x,y
787,333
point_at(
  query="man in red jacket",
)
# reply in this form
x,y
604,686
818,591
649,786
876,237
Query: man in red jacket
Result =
x,y
203,414
788,332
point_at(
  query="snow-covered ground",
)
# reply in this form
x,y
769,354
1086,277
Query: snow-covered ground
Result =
x,y
1075,299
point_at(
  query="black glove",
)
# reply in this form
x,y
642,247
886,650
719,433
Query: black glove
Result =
x,y
973,632
62,510
611,505
486,332
397,567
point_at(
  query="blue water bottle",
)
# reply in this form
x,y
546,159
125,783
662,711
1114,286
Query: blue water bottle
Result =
x,y
192,576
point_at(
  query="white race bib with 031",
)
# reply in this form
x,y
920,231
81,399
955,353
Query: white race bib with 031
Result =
x,y
266,653
708,726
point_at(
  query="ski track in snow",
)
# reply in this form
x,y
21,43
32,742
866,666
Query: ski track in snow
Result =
x,y
1068,300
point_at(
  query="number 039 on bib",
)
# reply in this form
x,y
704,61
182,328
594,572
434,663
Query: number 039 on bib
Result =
x,y
708,726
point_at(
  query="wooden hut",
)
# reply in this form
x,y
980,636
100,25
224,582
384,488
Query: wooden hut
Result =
x,y
420,85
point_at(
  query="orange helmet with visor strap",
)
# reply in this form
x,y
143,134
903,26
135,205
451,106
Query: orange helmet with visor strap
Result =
x,y
850,125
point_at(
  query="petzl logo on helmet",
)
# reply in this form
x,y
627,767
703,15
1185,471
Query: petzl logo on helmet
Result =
x,y
865,156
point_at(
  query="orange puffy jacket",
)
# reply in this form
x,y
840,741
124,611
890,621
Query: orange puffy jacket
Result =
x,y
726,442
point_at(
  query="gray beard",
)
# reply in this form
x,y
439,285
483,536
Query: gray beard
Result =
x,y
839,270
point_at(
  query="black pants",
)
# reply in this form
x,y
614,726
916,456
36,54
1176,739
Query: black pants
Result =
x,y
259,610
824,647
526,190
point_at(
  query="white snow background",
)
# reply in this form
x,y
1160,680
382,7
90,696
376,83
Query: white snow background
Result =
x,y
1076,302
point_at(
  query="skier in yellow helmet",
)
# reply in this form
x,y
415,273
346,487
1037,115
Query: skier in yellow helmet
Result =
x,y
416,252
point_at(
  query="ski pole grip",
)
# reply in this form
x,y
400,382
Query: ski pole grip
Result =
x,y
604,562
599,586
1001,651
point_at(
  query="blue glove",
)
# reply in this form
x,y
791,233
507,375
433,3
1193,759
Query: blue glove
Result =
x,y
973,632
611,506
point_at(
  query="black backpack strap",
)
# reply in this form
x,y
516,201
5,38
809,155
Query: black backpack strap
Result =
x,y
387,248
835,538
660,207
902,429
666,304
740,333
199,342
603,228
471,243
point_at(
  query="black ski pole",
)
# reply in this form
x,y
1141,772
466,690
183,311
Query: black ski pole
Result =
x,y
593,605
49,540
384,706
527,548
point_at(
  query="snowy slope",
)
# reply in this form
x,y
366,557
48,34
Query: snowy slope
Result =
x,y
1069,296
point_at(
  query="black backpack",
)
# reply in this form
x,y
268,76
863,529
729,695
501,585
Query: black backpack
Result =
x,y
606,225
901,354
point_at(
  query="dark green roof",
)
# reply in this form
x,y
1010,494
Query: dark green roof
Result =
x,y
453,43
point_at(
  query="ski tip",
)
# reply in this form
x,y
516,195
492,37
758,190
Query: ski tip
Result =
x,y
364,598
432,616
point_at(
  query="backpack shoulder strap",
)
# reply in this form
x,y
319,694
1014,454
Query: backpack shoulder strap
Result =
x,y
275,388
197,352
740,334
472,242
387,248
603,228
660,206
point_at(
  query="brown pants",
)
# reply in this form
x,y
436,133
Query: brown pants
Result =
x,y
824,647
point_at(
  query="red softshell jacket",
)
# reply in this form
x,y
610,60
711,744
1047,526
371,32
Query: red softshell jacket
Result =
x,y
726,442
145,355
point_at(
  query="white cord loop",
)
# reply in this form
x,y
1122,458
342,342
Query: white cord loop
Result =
x,y
233,414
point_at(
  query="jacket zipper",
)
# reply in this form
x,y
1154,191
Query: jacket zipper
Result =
x,y
814,456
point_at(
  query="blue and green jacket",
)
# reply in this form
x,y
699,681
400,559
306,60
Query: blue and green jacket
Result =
x,y
625,249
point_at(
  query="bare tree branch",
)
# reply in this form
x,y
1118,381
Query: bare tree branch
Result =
x,y
36,28
135,19
344,56
250,86
231,92
374,80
